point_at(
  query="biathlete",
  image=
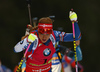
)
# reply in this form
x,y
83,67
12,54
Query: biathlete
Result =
x,y
3,68
58,59
68,61
43,40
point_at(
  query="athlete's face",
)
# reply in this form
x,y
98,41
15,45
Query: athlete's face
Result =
x,y
44,37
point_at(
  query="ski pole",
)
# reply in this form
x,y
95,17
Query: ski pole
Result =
x,y
35,21
74,42
23,59
28,2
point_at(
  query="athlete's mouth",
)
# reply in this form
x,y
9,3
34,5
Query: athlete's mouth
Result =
x,y
43,39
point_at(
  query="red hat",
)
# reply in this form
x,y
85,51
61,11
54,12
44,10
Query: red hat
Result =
x,y
45,28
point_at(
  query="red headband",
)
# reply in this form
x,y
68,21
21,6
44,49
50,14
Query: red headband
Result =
x,y
44,26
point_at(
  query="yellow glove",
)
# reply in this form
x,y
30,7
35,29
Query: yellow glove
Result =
x,y
72,16
32,37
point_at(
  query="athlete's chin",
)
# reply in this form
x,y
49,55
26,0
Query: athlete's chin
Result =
x,y
44,41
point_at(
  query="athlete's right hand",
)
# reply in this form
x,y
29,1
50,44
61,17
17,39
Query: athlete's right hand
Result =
x,y
32,37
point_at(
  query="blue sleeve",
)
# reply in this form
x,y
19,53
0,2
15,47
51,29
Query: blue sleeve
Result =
x,y
23,65
67,37
79,53
3,67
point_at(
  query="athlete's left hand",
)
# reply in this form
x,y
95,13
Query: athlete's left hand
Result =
x,y
73,16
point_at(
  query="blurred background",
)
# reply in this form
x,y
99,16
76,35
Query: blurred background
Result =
x,y
14,17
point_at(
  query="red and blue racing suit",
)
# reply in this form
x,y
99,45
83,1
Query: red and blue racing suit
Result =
x,y
40,54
